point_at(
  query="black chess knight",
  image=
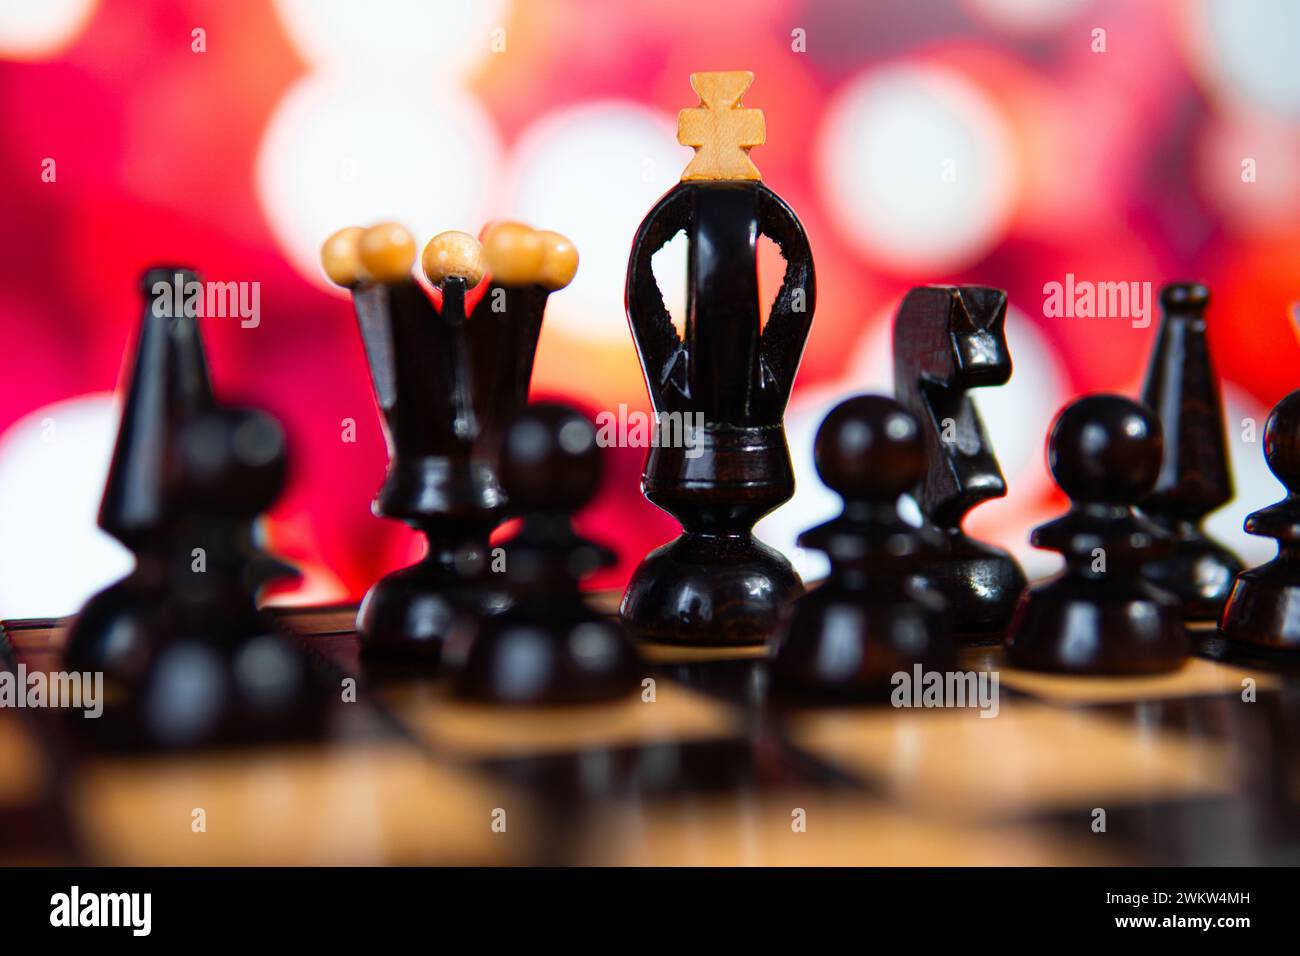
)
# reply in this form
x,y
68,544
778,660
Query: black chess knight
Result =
x,y
1195,478
948,340
445,381
1263,607
716,584
181,637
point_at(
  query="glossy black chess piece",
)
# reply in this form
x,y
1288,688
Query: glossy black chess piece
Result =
x,y
444,381
948,340
420,364
867,621
112,631
1099,615
549,646
1263,607
156,495
1196,477
191,660
217,672
716,584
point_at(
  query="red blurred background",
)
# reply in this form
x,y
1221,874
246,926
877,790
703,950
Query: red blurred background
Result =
x,y
1000,142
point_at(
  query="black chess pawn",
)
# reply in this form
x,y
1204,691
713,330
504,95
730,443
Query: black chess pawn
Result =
x,y
199,691
1196,478
868,620
444,381
1099,615
216,671
549,646
948,340
724,384
1263,606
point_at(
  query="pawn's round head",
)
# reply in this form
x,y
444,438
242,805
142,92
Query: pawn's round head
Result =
x,y
1282,441
549,459
870,448
1105,448
232,461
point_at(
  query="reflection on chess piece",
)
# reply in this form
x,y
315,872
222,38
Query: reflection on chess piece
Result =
x,y
191,660
1195,478
867,621
444,382
1263,607
548,646
948,340
716,584
223,675
1099,616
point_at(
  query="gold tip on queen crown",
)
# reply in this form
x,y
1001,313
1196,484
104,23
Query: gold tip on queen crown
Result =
x,y
513,253
340,259
454,254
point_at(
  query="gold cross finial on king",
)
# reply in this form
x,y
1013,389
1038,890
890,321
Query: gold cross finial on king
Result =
x,y
721,130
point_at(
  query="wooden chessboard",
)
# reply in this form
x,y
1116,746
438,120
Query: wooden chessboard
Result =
x,y
714,770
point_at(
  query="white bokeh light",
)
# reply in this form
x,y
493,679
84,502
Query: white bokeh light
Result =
x,y
1254,485
592,173
341,152
1267,200
37,31
916,168
53,464
1245,51
1025,16
442,37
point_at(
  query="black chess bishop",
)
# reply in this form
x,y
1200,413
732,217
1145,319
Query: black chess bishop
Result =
x,y
1195,476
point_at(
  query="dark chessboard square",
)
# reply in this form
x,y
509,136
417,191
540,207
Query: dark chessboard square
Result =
x,y
1197,832
665,771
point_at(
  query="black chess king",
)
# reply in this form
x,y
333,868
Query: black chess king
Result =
x,y
716,584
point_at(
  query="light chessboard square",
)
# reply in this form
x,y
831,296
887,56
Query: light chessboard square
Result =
x,y
306,806
24,772
1196,678
478,731
1030,757
836,831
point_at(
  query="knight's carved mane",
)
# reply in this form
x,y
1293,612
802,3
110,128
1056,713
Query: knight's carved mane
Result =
x,y
931,378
